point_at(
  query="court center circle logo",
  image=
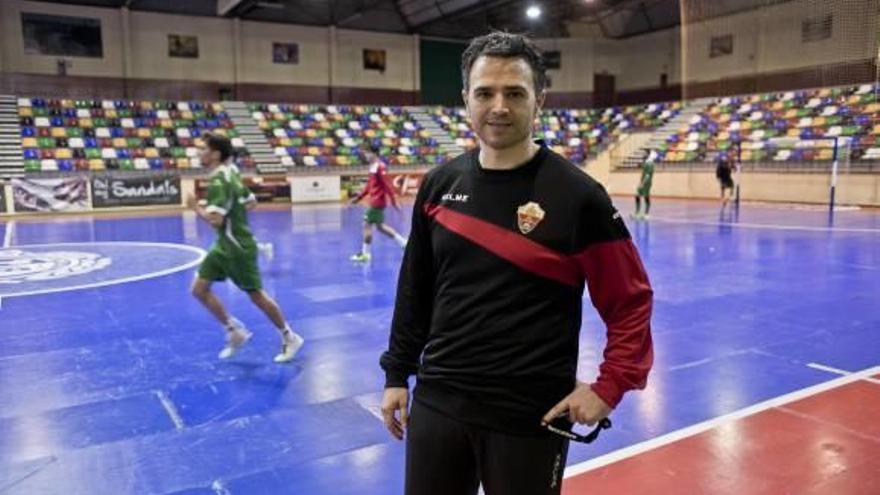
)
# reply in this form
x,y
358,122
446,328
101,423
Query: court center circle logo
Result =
x,y
18,266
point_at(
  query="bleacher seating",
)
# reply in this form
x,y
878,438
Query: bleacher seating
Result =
x,y
753,125
577,134
78,135
313,135
67,135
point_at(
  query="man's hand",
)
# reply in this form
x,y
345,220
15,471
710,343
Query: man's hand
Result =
x,y
395,400
582,405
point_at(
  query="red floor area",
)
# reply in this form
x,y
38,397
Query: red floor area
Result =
x,y
823,444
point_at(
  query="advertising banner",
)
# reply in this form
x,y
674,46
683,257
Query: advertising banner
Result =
x,y
66,194
315,188
110,192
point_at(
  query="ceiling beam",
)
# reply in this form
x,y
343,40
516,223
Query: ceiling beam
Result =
x,y
479,7
403,18
224,7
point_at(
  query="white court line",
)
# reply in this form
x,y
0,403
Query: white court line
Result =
x,y
170,408
219,488
134,278
838,371
767,226
654,443
9,233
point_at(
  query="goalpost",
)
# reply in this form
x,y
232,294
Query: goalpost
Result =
x,y
841,151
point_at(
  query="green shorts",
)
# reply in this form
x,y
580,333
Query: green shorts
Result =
x,y
644,190
374,216
241,268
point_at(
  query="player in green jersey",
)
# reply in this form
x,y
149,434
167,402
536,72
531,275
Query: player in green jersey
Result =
x,y
644,190
234,254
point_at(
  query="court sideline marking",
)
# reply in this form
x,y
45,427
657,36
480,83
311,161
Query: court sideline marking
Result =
x,y
838,371
710,424
766,226
170,408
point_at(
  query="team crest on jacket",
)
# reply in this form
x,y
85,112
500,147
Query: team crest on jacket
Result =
x,y
528,216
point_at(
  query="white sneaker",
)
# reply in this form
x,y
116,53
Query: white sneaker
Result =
x,y
360,258
289,347
267,249
645,216
235,340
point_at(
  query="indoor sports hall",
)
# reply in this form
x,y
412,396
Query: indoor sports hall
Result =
x,y
766,294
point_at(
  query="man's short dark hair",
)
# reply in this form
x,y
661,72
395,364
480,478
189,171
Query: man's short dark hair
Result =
x,y
219,143
506,45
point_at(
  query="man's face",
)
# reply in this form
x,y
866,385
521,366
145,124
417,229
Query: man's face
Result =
x,y
501,101
207,156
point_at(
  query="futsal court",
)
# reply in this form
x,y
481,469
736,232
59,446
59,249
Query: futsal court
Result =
x,y
767,378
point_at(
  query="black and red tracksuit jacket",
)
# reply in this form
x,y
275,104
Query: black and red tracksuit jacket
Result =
x,y
489,298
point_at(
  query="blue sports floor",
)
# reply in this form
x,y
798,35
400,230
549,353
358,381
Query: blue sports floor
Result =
x,y
116,389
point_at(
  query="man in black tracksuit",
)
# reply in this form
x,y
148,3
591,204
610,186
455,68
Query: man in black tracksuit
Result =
x,y
488,308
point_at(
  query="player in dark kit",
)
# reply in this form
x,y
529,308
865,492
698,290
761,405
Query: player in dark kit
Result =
x,y
724,174
488,310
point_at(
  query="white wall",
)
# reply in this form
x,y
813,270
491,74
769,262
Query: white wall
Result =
x,y
148,35
769,39
12,43
576,64
764,41
149,39
401,71
643,58
853,36
256,50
